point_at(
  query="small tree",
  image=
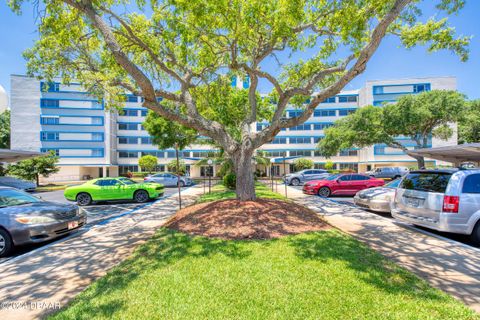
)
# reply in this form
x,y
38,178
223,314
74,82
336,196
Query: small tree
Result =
x,y
329,165
418,117
32,169
5,130
302,163
181,169
148,163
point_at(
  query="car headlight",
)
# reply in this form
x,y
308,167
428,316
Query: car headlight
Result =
x,y
35,220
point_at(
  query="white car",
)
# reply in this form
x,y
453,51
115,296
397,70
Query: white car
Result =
x,y
168,179
17,183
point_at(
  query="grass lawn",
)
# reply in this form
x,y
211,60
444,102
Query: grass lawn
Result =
x,y
317,275
50,187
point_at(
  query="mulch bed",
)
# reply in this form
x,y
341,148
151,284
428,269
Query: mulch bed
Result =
x,y
233,219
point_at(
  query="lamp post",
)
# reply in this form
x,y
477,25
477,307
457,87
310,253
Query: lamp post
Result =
x,y
210,171
285,171
272,161
178,177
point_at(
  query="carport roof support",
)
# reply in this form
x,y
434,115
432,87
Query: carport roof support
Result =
x,y
7,155
455,154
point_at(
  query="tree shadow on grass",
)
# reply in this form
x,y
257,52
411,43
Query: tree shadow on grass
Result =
x,y
370,266
165,248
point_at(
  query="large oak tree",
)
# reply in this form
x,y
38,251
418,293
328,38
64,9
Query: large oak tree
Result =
x,y
178,49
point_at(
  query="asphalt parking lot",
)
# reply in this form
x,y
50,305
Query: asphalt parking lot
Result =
x,y
465,239
96,213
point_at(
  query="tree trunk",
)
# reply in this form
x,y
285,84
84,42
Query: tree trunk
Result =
x,y
242,163
37,179
420,162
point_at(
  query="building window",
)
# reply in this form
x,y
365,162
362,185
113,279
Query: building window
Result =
x,y
97,152
127,140
421,87
132,98
123,170
348,166
322,126
301,127
279,140
143,113
158,154
49,103
347,99
329,100
127,126
317,153
146,140
294,113
300,153
317,139
48,150
171,154
49,120
345,112
324,113
50,136
274,154
97,120
379,150
127,154
377,89
319,166
246,82
300,140
130,113
184,154
348,153
97,136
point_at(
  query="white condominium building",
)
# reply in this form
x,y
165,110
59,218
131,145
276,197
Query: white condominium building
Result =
x,y
93,142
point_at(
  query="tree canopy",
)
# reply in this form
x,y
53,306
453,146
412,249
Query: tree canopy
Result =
x,y
469,124
179,56
148,163
416,117
302,163
5,129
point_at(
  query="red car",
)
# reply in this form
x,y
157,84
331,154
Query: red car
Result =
x,y
341,184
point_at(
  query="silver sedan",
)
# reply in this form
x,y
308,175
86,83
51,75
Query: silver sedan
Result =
x,y
27,219
169,179
377,199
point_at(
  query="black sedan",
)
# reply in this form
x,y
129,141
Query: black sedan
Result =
x,y
27,219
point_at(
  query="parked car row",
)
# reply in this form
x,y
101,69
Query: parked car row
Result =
x,y
446,200
27,219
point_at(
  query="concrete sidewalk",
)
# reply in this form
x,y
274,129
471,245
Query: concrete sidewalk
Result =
x,y
447,265
39,282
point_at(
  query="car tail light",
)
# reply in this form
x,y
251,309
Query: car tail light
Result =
x,y
145,179
451,203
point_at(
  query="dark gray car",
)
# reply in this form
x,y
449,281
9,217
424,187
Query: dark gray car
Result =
x,y
303,176
389,172
27,219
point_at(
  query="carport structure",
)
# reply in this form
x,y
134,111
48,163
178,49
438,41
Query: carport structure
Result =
x,y
7,155
469,152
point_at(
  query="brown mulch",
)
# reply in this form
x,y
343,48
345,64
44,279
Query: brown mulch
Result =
x,y
233,219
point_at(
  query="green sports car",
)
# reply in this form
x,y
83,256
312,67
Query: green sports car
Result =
x,y
107,189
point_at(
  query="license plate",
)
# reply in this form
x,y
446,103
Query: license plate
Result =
x,y
413,202
73,224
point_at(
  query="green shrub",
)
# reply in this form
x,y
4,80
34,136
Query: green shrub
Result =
x,y
230,180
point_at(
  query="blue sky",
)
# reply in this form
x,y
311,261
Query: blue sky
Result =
x,y
17,33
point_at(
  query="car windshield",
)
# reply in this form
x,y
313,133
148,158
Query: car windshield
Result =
x,y
332,177
393,184
127,181
11,197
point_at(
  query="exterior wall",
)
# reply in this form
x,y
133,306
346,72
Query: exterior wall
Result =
x,y
90,139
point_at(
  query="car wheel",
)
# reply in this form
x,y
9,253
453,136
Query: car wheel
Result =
x,y
84,199
475,236
396,177
141,196
324,192
295,182
6,244
182,184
